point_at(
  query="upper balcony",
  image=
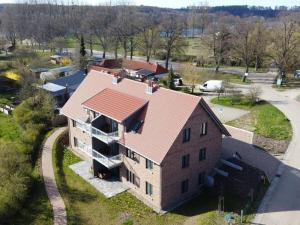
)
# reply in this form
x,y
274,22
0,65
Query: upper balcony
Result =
x,y
105,129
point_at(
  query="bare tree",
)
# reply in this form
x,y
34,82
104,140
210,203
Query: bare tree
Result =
x,y
150,36
285,45
242,46
172,40
260,38
218,42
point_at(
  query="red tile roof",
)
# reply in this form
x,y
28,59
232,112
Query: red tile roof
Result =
x,y
114,104
137,65
133,65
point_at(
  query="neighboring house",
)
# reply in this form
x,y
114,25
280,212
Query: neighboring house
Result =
x,y
160,143
57,72
37,71
63,87
55,59
135,68
7,84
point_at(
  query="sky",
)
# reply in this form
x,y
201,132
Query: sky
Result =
x,y
184,3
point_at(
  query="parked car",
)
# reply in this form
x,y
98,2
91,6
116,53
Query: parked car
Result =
x,y
212,85
177,80
297,74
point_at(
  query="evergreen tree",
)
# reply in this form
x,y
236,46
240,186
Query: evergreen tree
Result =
x,y
82,47
170,82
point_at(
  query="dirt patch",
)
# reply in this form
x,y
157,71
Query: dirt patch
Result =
x,y
270,145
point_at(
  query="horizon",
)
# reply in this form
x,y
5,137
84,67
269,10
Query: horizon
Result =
x,y
183,3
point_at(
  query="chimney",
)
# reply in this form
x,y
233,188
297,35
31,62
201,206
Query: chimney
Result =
x,y
150,88
115,79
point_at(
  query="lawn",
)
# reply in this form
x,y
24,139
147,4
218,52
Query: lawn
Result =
x,y
85,205
263,119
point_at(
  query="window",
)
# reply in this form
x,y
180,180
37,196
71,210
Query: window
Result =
x,y
149,189
75,142
74,123
186,134
202,154
184,186
203,128
132,178
185,160
201,178
149,164
132,155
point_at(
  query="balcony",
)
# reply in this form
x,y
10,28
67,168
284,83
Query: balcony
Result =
x,y
108,161
86,127
107,138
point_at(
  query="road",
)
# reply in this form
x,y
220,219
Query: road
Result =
x,y
281,205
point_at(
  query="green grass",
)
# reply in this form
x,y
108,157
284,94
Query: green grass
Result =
x,y
9,130
196,47
263,119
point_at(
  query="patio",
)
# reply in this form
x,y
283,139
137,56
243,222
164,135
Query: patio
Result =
x,y
108,188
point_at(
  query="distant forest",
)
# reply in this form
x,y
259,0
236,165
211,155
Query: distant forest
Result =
x,y
235,10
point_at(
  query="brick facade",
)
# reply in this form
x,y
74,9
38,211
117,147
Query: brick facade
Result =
x,y
167,178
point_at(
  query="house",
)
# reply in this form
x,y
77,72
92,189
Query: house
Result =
x,y
7,84
57,72
160,143
134,68
62,88
36,72
55,59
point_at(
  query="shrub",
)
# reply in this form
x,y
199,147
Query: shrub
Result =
x,y
15,179
65,61
35,110
253,95
184,58
13,76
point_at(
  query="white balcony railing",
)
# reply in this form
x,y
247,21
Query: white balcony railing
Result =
x,y
105,137
84,126
87,149
108,162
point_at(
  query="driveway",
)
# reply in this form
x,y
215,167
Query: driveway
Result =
x,y
281,205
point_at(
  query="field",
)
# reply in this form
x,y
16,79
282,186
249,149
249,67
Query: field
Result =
x,y
263,119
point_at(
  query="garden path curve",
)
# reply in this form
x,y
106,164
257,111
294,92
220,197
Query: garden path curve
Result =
x,y
58,205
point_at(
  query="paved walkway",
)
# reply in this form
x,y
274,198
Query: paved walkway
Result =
x,y
59,209
281,204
